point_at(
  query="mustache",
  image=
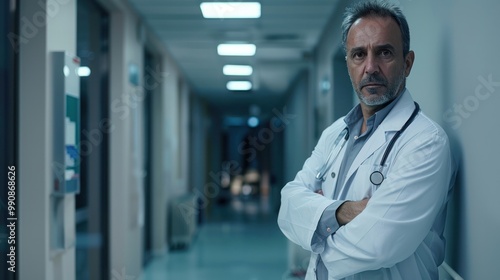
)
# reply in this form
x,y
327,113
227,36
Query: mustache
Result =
x,y
373,79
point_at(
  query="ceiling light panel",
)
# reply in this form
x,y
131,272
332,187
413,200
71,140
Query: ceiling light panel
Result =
x,y
239,85
230,9
236,49
83,71
237,70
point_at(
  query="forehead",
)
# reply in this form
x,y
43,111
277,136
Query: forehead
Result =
x,y
374,30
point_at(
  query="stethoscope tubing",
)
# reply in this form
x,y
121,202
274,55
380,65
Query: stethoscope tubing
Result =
x,y
396,136
344,134
376,177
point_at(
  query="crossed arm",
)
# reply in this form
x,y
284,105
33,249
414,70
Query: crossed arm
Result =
x,y
348,210
419,181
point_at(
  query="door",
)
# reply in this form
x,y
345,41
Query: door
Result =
x,y
343,98
92,213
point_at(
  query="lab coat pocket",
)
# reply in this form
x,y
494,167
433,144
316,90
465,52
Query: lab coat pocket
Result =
x,y
361,186
327,184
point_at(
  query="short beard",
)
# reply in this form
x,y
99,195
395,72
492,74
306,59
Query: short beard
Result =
x,y
391,93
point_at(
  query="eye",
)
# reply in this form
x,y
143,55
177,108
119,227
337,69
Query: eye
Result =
x,y
386,53
358,55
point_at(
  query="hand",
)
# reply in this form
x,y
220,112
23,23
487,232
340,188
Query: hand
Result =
x,y
320,191
349,210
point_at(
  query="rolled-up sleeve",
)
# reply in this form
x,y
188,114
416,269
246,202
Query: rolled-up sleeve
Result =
x,y
328,223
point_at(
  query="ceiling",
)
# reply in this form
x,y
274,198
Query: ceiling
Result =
x,y
285,36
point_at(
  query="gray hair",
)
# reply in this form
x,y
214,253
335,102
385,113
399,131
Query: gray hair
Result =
x,y
376,8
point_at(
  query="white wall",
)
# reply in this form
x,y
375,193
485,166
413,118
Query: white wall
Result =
x,y
171,135
126,157
41,26
124,254
455,44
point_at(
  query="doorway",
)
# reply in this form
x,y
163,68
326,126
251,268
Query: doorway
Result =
x,y
92,213
343,99
150,67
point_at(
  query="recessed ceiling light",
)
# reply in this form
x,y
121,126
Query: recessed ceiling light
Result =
x,y
83,71
253,122
239,85
236,49
230,9
237,70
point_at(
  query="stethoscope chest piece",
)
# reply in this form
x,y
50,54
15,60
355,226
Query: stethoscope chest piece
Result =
x,y
376,178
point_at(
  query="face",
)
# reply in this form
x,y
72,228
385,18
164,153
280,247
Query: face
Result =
x,y
375,60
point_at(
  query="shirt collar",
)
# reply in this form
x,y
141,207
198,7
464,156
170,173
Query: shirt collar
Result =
x,y
355,114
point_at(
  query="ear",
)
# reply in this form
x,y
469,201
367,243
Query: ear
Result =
x,y
410,57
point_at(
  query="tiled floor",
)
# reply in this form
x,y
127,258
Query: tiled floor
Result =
x,y
240,241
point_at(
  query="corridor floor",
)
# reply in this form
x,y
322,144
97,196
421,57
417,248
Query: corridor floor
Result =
x,y
239,241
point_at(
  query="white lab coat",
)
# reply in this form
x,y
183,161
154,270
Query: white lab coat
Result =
x,y
399,234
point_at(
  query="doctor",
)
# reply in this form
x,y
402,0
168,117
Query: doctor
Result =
x,y
370,202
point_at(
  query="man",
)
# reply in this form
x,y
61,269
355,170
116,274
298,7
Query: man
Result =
x,y
362,216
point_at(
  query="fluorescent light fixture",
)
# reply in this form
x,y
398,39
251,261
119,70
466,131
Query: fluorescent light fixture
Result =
x,y
236,49
237,70
239,85
83,71
230,9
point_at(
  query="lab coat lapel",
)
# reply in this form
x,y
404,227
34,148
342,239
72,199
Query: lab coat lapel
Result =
x,y
330,182
375,142
392,123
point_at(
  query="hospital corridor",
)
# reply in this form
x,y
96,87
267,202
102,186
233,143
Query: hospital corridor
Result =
x,y
210,140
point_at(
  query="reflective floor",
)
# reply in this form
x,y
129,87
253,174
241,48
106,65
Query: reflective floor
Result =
x,y
239,240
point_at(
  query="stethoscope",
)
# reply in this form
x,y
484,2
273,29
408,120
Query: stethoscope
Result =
x,y
376,177
321,174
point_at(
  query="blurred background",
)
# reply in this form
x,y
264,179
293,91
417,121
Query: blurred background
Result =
x,y
151,138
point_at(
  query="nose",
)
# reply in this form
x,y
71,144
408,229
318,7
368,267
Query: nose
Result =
x,y
372,65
